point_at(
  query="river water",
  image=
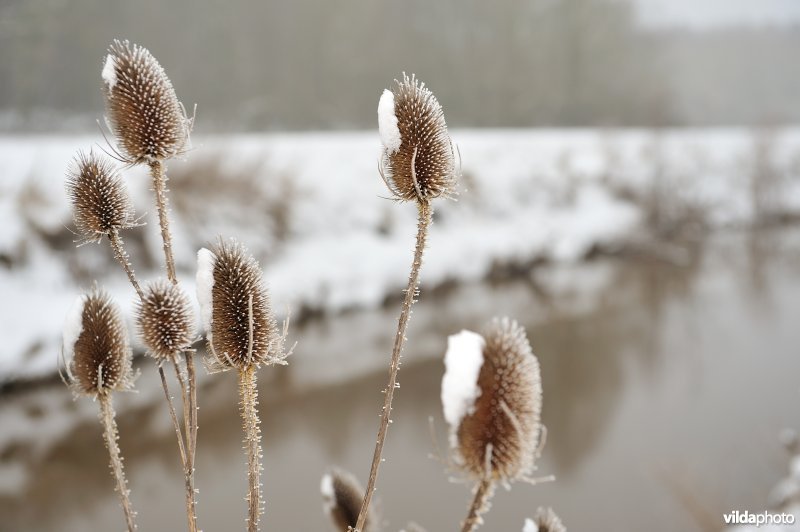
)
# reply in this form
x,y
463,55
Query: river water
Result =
x,y
666,386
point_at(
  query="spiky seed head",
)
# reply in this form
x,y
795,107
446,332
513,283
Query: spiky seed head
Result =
x,y
100,202
165,320
342,495
545,520
233,298
417,161
143,111
96,348
498,437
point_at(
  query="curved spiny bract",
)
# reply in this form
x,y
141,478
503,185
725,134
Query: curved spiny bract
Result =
x,y
165,320
143,111
241,327
504,424
418,162
100,202
342,495
96,346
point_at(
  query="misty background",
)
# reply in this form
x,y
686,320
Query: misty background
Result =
x,y
314,64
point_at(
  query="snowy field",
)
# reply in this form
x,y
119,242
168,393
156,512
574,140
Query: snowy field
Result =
x,y
310,207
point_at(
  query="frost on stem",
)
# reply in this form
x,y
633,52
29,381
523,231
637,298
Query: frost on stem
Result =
x,y
143,111
341,496
418,162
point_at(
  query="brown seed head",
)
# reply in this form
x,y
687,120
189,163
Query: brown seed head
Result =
x,y
418,161
100,202
165,320
241,328
504,423
342,495
143,111
96,346
546,520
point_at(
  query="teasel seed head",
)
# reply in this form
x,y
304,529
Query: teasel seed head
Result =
x,y
492,398
235,309
545,520
165,320
418,162
100,202
96,348
143,111
342,495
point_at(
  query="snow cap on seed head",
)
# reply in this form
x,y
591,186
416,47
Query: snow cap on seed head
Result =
x,y
418,162
545,520
143,111
494,411
342,495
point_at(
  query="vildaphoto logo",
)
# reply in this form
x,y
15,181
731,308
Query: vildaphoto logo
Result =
x,y
763,518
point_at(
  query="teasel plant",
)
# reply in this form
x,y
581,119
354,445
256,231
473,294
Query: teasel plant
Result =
x,y
242,334
544,520
150,125
492,402
417,164
342,495
97,356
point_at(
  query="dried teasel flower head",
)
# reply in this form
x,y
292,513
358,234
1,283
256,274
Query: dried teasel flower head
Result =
x,y
235,309
418,162
492,399
342,495
100,202
165,320
143,111
545,520
96,350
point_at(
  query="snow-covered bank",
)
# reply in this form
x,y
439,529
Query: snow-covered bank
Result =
x,y
309,206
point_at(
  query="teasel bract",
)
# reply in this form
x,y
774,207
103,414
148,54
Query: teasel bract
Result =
x,y
492,400
544,520
242,334
147,119
97,357
342,495
417,164
101,205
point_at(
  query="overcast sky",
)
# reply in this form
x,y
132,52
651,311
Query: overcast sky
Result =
x,y
702,14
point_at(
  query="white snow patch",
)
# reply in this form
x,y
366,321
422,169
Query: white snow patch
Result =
x,y
73,326
328,495
205,284
110,71
387,122
530,526
462,361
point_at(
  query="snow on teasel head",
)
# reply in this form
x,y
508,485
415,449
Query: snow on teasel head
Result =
x,y
96,350
418,161
492,400
143,111
235,308
100,202
165,320
545,520
342,495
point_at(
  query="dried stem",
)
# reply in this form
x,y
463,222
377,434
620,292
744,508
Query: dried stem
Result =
x,y
173,416
249,407
111,436
480,503
425,214
188,454
160,189
122,257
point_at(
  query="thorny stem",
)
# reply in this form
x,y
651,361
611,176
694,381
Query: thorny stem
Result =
x,y
480,503
160,189
188,457
122,257
111,435
425,214
248,393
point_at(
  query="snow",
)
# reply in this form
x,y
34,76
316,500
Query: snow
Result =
x,y
462,361
530,526
387,123
527,196
73,326
205,284
328,494
109,73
